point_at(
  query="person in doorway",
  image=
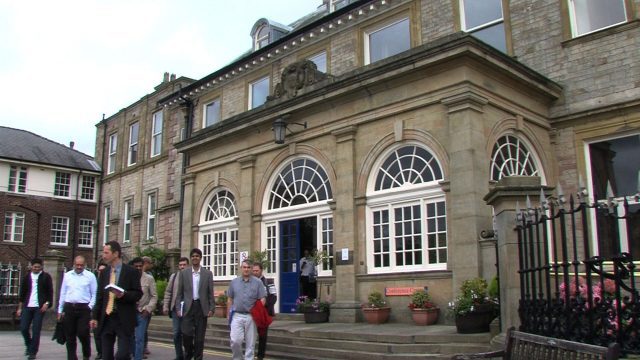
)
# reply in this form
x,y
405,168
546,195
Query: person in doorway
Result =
x,y
270,302
308,275
97,340
145,305
77,298
115,312
195,298
244,292
36,296
169,306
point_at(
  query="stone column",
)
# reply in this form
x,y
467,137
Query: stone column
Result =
x,y
503,197
346,305
189,240
245,205
467,214
53,263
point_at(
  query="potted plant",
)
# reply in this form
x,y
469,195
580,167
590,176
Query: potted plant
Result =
x,y
473,309
423,310
221,306
314,310
376,311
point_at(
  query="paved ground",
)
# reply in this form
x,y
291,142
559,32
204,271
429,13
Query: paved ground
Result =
x,y
12,348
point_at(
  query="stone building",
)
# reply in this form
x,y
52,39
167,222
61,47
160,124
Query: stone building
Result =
x,y
48,199
372,130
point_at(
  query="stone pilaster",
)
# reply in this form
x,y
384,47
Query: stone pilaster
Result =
x,y
245,204
346,306
189,234
53,263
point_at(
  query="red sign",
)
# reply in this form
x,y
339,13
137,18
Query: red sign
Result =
x,y
401,291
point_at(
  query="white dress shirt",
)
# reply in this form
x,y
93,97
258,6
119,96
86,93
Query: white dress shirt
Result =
x,y
33,298
78,288
196,283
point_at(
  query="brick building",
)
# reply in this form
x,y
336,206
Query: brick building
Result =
x,y
373,130
48,198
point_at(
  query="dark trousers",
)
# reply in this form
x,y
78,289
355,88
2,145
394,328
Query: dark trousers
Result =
x,y
308,288
97,339
262,344
194,325
30,326
76,323
112,329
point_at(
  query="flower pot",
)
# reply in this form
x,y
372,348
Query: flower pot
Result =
x,y
425,316
376,315
316,317
474,322
220,311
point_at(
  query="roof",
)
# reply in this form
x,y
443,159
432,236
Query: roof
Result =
x,y
22,145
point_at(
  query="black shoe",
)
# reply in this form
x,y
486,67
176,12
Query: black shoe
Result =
x,y
99,356
31,356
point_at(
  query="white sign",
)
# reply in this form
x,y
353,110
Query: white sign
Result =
x,y
345,254
244,255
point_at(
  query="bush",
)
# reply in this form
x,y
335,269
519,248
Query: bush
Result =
x,y
420,299
375,300
161,287
222,299
473,297
160,270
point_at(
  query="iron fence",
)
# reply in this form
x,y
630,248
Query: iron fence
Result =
x,y
567,293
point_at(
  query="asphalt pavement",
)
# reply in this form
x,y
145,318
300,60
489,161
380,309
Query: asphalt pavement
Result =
x,y
12,348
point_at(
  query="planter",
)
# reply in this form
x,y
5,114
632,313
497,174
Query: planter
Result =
x,y
474,322
376,315
425,316
316,317
220,311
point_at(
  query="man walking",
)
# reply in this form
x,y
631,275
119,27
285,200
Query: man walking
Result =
x,y
77,298
115,312
36,296
195,298
243,293
145,307
272,297
169,306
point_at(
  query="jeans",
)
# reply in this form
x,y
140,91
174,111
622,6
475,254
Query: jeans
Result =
x,y
243,329
141,329
31,317
177,335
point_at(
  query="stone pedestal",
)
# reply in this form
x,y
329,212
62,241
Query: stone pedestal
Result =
x,y
53,263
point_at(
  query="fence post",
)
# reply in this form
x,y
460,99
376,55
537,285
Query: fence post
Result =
x,y
503,197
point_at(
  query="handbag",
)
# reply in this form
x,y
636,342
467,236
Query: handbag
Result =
x,y
58,334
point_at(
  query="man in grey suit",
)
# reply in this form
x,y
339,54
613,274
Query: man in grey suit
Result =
x,y
196,304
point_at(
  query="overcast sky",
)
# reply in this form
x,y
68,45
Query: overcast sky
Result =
x,y
64,63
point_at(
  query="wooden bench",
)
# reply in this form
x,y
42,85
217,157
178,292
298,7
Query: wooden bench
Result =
x,y
520,345
8,314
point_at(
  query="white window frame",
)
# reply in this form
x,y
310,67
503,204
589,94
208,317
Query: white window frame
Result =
x,y
370,32
152,209
220,222
19,175
575,31
206,122
106,225
463,22
62,185
85,233
157,122
134,134
88,190
13,227
9,279
258,40
252,88
59,230
126,235
315,59
113,148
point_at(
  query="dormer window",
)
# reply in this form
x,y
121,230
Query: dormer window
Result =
x,y
261,37
264,32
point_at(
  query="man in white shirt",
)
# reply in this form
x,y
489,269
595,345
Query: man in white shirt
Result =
x,y
77,298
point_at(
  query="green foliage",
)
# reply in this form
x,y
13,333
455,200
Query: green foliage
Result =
x,y
307,304
320,257
222,299
161,287
375,300
473,297
420,299
493,289
160,270
261,257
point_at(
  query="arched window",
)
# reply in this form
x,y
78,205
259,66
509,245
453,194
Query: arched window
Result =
x,y
302,181
511,157
407,227
262,37
218,238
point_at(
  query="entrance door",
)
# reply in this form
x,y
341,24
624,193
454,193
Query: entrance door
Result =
x,y
289,255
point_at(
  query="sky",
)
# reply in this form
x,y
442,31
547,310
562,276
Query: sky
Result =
x,y
65,63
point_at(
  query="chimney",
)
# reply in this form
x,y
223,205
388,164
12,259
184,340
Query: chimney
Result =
x,y
165,78
173,77
72,144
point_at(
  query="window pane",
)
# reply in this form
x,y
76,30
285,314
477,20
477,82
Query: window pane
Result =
x,y
591,15
480,12
389,41
615,161
212,113
494,36
321,61
259,92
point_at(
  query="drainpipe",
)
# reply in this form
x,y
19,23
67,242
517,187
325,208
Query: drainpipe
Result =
x,y
99,200
188,120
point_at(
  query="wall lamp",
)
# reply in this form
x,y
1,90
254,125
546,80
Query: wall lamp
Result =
x,y
280,128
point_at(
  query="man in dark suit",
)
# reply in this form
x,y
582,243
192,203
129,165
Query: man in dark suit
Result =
x,y
114,314
36,297
195,299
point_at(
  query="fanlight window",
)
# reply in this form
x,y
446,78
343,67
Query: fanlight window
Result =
x,y
302,181
221,206
407,165
511,157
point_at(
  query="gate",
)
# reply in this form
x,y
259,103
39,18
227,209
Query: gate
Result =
x,y
567,293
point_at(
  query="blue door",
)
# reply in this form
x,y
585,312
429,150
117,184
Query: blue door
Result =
x,y
289,255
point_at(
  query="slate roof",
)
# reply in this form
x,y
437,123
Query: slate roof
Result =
x,y
21,145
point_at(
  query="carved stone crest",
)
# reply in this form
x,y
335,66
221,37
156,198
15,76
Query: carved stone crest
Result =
x,y
295,77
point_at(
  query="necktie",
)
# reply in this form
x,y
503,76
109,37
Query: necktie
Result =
x,y
112,296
